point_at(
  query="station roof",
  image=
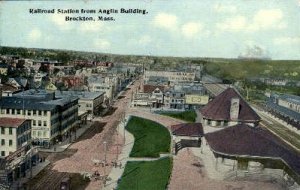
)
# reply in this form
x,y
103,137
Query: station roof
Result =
x,y
245,141
219,107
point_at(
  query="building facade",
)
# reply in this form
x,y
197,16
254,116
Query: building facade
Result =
x,y
52,118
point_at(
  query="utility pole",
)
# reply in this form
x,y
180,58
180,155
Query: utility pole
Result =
x,y
105,143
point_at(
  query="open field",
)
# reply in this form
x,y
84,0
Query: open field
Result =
x,y
151,138
146,175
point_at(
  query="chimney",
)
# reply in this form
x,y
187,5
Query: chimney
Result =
x,y
234,109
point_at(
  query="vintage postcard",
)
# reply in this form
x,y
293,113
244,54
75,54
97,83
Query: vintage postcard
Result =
x,y
150,95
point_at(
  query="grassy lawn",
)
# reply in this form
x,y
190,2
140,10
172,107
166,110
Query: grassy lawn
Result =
x,y
150,138
146,175
189,116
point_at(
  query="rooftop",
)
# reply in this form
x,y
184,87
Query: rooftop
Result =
x,y
11,122
242,140
219,107
188,129
148,88
79,94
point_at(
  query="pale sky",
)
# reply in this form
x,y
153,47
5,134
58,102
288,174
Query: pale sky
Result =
x,y
190,28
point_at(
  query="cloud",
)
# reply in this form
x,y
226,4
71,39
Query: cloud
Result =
x,y
146,39
165,21
219,8
267,19
236,23
34,35
287,41
102,44
91,26
191,29
59,21
264,19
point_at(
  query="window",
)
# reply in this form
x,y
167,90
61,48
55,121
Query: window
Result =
x,y
34,122
18,111
10,142
2,111
2,130
34,112
44,133
2,153
10,131
45,123
33,133
40,113
39,133
29,112
45,113
2,141
40,123
13,111
7,111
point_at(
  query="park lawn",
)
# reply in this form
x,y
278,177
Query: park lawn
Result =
x,y
150,138
189,116
146,175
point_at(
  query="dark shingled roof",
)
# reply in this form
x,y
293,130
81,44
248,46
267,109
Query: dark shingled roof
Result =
x,y
188,129
150,88
17,103
242,140
219,107
11,122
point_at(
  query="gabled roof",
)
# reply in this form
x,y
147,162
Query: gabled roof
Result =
x,y
242,140
6,87
219,107
188,129
150,88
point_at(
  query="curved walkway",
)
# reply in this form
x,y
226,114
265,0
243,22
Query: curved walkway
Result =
x,y
123,158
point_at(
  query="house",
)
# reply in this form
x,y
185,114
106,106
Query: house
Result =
x,y
174,98
7,90
155,93
18,82
50,87
52,119
227,109
3,69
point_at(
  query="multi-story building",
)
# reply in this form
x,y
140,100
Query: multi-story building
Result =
x,y
89,102
52,118
100,84
173,76
16,154
15,133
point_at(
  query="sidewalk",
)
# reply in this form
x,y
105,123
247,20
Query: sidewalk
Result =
x,y
117,172
60,147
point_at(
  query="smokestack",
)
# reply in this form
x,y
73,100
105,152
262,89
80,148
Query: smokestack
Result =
x,y
234,109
